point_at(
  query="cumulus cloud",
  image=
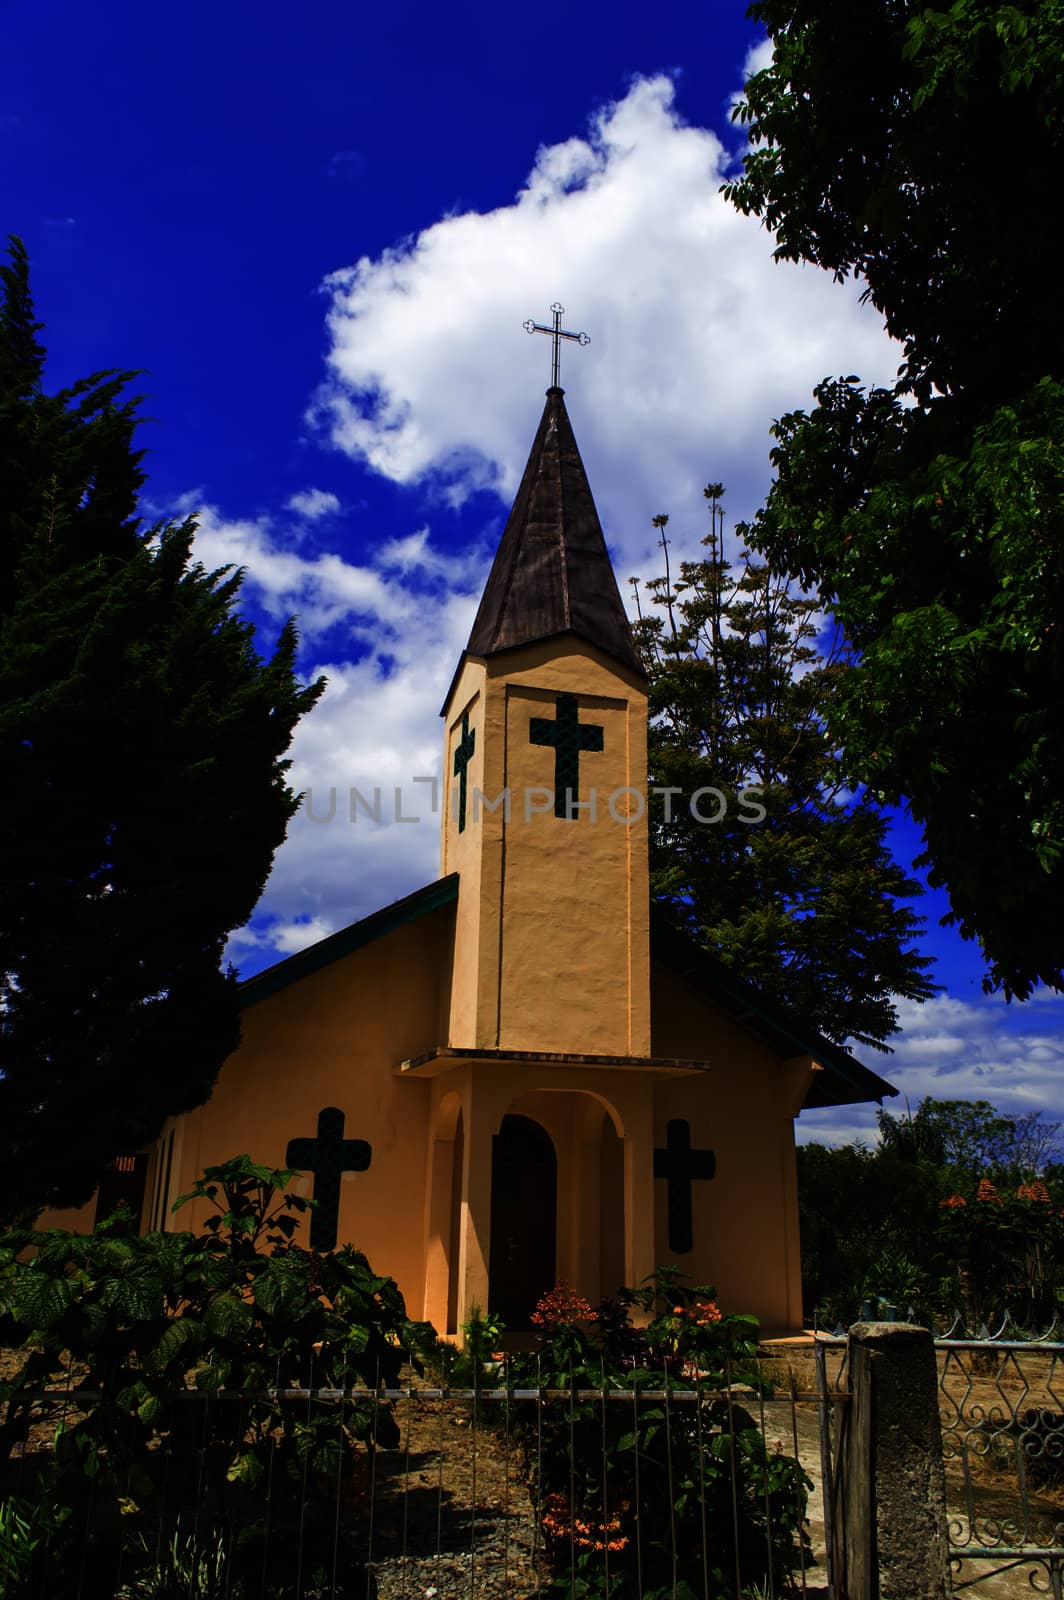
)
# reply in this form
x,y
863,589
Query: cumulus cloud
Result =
x,y
404,617
313,503
698,337
956,1049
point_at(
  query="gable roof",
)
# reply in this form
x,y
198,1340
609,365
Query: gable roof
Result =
x,y
552,572
843,1081
444,891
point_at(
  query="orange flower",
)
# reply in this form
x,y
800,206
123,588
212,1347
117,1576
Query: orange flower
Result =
x,y
952,1200
1034,1191
986,1191
585,1533
561,1307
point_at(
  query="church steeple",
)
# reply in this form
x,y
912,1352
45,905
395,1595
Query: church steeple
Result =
x,y
552,573
545,772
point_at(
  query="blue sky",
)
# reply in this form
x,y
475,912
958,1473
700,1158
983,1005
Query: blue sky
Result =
x,y
319,230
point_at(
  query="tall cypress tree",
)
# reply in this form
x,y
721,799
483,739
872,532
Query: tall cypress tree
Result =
x,y
142,782
806,902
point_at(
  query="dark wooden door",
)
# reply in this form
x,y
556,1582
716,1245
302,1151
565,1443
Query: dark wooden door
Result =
x,y
524,1210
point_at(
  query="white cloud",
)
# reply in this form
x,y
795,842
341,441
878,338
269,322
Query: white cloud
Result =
x,y
758,57
313,503
962,1050
698,337
408,610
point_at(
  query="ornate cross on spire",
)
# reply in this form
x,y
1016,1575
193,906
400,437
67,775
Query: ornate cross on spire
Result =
x,y
557,333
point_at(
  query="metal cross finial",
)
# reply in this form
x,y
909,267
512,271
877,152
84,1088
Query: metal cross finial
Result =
x,y
557,333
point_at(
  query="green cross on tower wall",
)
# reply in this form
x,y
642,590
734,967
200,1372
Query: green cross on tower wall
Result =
x,y
570,738
463,754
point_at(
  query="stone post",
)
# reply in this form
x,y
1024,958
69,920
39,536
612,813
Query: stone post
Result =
x,y
890,1533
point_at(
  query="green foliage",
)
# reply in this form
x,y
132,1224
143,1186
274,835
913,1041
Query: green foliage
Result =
x,y
189,1568
806,902
474,1365
143,1324
972,1137
26,1531
947,1214
876,150
928,515
142,745
665,1497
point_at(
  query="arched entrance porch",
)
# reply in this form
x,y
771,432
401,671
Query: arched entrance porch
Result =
x,y
533,1185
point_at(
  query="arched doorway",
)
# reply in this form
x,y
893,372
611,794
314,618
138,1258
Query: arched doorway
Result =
x,y
524,1208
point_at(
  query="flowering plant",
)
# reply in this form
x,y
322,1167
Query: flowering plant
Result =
x,y
692,1479
561,1307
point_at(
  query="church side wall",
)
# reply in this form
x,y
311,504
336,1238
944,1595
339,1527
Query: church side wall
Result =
x,y
334,1039
744,1219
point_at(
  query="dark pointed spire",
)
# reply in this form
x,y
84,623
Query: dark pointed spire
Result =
x,y
552,571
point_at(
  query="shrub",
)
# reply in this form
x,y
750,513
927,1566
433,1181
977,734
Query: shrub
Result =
x,y
136,1339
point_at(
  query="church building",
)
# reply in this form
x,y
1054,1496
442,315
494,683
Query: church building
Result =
x,y
520,1074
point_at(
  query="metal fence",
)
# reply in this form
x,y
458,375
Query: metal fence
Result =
x,y
481,1494
1002,1411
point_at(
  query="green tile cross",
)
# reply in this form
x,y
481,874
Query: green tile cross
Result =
x,y
328,1157
463,754
569,737
678,1164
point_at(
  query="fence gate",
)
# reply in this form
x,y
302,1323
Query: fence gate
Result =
x,y
1002,1408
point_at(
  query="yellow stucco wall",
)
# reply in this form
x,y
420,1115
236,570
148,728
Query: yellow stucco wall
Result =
x,y
333,1039
553,946
745,1218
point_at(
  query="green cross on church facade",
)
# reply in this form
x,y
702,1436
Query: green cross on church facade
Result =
x,y
328,1157
463,754
570,738
679,1165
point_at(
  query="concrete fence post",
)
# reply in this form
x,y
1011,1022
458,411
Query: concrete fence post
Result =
x,y
890,1530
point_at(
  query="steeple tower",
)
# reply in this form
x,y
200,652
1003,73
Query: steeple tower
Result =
x,y
545,762
552,572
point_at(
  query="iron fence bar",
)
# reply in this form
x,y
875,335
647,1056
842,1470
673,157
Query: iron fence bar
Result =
x,y
605,1490
303,1493
1014,1552
473,1502
674,1550
1052,1565
406,1495
638,1498
339,1485
372,1498
827,1483
683,1396
1038,1346
733,1478
770,1562
797,1490
572,1476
